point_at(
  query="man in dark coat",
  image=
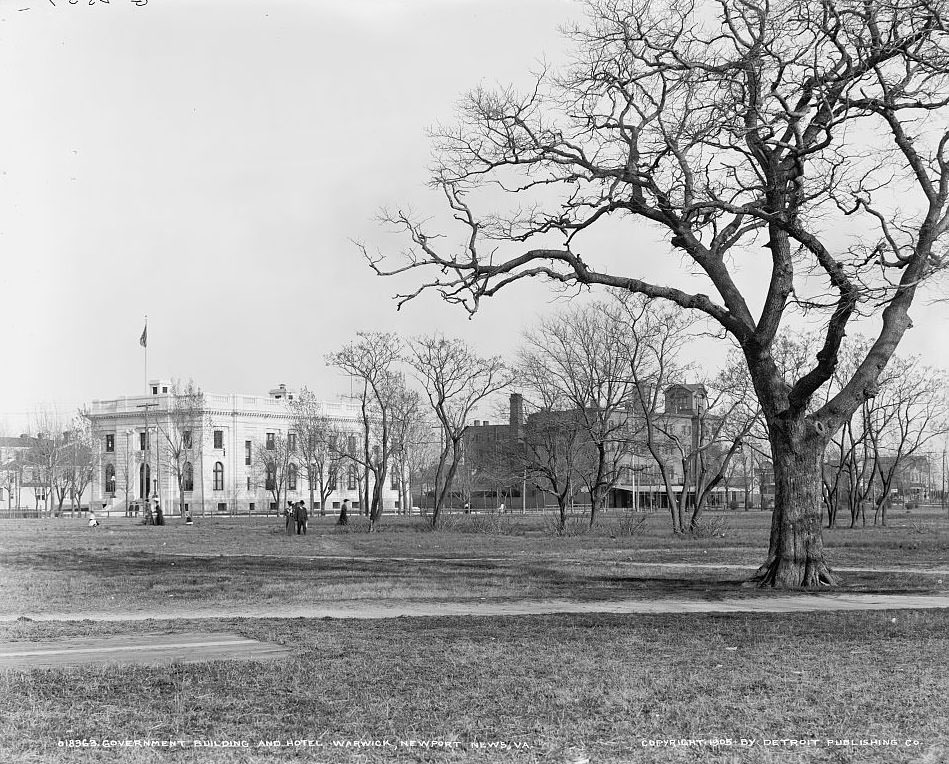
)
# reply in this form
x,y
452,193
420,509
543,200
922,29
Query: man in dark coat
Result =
x,y
302,517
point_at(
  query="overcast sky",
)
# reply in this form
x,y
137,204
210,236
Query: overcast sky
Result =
x,y
210,163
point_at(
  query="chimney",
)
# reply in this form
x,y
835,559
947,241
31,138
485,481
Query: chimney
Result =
x,y
485,423
517,415
477,423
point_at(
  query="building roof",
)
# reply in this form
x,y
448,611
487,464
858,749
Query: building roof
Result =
x,y
24,441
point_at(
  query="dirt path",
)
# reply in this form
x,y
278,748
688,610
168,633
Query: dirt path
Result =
x,y
791,603
151,649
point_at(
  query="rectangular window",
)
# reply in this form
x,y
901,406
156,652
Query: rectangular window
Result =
x,y
142,441
219,438
292,442
222,506
335,505
251,507
186,438
110,443
271,443
394,481
351,479
247,451
351,444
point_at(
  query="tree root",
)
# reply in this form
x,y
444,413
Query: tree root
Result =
x,y
778,573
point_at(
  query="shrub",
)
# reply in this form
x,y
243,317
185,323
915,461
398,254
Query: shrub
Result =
x,y
710,527
574,525
632,524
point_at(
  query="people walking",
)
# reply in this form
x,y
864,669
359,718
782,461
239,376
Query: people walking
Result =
x,y
343,513
290,512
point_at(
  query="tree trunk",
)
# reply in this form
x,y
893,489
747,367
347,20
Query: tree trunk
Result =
x,y
796,549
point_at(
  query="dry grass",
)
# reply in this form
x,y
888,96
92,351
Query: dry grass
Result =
x,y
568,687
61,565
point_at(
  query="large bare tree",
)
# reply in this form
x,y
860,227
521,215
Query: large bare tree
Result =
x,y
456,380
807,139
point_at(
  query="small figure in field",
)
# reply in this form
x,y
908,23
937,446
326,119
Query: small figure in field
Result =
x,y
188,520
290,512
344,513
302,517
159,516
93,521
501,509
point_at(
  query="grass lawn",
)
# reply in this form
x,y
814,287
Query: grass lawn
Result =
x,y
60,565
560,688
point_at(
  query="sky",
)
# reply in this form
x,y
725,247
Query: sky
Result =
x,y
210,164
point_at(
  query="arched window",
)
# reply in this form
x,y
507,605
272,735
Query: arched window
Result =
x,y
110,478
187,477
218,476
292,477
351,479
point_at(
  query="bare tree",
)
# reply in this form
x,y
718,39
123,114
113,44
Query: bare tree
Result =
x,y
373,360
316,433
456,380
580,351
732,126
80,457
182,435
551,447
408,428
274,458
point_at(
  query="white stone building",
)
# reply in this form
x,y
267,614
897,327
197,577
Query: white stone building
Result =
x,y
222,474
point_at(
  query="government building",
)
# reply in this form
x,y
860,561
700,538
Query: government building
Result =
x,y
222,471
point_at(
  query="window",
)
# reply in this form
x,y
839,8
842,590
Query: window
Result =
x,y
218,476
292,441
292,477
251,507
164,389
351,479
154,390
110,443
331,479
247,451
351,444
248,482
142,441
270,478
394,480
187,477
110,478
271,444
219,438
186,439
222,506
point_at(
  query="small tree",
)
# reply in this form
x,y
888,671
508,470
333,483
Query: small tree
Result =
x,y
271,465
316,433
580,350
182,435
373,360
456,381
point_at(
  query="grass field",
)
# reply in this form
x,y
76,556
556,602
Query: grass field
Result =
x,y
560,688
61,565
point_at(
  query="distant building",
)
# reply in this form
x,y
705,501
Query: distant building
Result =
x,y
494,458
222,469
